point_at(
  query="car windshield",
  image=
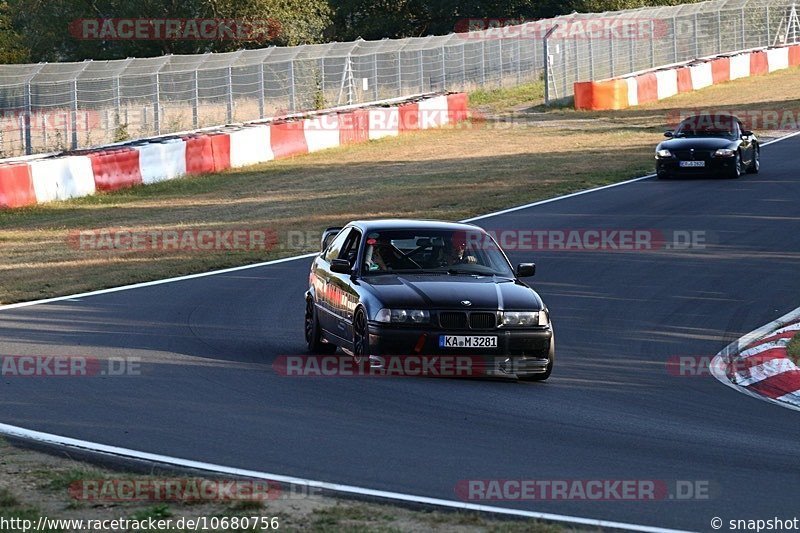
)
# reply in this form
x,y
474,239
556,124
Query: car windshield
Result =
x,y
708,126
449,252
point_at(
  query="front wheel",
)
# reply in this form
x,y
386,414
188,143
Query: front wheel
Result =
x,y
360,337
736,171
313,332
755,164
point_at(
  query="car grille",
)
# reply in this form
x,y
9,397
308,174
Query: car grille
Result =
x,y
453,320
462,320
699,155
482,320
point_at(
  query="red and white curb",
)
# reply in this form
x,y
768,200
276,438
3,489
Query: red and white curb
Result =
x,y
759,365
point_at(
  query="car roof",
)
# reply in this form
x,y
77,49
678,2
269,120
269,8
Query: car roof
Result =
x,y
384,224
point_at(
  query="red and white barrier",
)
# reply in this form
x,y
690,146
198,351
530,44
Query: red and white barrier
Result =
x,y
156,160
62,178
115,169
250,145
701,75
433,112
322,132
740,66
384,122
16,186
666,83
162,161
641,88
777,58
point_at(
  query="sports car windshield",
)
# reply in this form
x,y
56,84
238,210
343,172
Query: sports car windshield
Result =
x,y
433,251
707,126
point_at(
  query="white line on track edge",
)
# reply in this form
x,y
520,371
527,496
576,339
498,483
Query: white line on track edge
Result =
x,y
47,438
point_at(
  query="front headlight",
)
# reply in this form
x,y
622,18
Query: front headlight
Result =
x,y
403,316
521,319
663,153
724,152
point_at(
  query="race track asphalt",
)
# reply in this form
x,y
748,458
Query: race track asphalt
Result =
x,y
611,410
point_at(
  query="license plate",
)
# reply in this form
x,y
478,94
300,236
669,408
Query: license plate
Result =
x,y
693,163
467,341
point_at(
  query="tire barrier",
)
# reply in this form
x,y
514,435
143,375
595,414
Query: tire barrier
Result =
x,y
643,87
147,161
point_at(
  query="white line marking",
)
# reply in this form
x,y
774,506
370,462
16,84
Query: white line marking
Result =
x,y
49,438
22,433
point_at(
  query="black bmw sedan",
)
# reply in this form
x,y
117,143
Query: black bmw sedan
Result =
x,y
412,287
708,145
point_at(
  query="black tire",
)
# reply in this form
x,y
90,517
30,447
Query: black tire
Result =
x,y
551,356
755,164
360,337
313,333
737,172
664,176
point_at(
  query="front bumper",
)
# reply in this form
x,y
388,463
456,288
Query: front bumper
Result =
x,y
715,166
519,351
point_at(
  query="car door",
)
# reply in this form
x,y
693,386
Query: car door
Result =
x,y
324,289
341,288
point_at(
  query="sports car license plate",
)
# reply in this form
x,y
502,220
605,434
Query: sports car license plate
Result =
x,y
693,163
467,341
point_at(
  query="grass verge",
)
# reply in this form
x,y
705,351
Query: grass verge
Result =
x,y
34,484
794,348
516,153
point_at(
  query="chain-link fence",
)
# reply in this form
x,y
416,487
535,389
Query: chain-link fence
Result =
x,y
622,42
56,106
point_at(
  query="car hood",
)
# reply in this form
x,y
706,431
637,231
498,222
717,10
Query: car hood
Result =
x,y
701,143
447,292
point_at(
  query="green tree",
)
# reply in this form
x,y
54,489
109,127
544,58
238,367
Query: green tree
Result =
x,y
51,29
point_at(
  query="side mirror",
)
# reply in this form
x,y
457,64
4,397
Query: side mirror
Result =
x,y
341,266
747,133
526,270
669,134
327,237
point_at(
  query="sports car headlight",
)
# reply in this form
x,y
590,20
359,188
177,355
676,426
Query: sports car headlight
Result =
x,y
521,319
663,153
724,152
403,316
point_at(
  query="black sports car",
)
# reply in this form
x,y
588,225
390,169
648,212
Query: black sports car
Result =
x,y
412,287
712,144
